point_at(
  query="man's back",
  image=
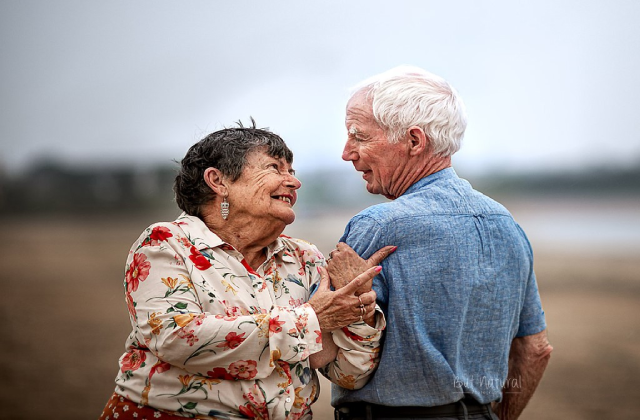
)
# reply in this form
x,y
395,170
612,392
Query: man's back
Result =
x,y
459,288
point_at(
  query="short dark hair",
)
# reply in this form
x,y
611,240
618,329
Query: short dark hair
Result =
x,y
227,151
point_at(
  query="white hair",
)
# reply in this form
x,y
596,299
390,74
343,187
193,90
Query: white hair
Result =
x,y
410,96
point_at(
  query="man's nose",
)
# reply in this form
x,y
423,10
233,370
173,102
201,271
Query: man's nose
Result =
x,y
349,152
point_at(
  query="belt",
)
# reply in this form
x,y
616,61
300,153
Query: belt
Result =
x,y
464,407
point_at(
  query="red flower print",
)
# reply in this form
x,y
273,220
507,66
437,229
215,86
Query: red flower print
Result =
x,y
157,235
233,340
226,317
319,333
243,369
188,335
201,262
132,360
137,272
185,242
131,306
160,233
250,412
275,326
354,337
160,367
301,323
256,406
220,373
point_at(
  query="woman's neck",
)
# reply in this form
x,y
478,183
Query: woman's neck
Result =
x,y
249,237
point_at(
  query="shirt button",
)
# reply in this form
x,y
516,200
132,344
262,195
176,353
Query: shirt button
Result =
x,y
288,400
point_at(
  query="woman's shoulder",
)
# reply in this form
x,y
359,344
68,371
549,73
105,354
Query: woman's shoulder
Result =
x,y
159,233
297,243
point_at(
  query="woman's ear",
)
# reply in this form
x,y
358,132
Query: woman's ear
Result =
x,y
216,181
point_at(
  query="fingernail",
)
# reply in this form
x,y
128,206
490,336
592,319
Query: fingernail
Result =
x,y
394,248
378,269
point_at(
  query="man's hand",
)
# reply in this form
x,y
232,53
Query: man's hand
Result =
x,y
344,264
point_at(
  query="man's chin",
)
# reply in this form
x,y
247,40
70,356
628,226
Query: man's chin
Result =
x,y
372,189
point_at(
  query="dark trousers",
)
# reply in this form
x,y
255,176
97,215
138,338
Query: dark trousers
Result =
x,y
467,409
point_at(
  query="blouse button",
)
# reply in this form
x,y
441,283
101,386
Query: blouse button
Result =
x,y
288,400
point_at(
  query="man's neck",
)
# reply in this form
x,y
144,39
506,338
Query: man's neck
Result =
x,y
415,171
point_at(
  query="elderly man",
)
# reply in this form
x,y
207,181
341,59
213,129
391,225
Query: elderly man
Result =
x,y
466,334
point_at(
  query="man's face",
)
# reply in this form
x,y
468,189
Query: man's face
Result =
x,y
367,147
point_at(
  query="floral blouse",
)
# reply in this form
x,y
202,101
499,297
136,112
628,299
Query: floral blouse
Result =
x,y
212,338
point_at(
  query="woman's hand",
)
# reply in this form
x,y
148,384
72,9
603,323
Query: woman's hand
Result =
x,y
344,264
337,309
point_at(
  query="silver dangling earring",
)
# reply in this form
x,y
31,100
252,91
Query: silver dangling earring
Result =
x,y
224,208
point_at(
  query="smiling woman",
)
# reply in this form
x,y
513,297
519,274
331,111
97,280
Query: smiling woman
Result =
x,y
224,321
265,193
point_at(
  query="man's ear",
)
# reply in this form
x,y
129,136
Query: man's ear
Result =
x,y
216,181
418,140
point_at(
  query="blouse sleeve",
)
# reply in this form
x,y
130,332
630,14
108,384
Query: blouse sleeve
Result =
x,y
358,353
168,312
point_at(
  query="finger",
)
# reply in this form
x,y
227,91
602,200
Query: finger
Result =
x,y
381,254
324,279
368,297
371,308
360,280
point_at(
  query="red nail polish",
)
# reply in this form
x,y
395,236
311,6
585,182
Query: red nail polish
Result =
x,y
378,269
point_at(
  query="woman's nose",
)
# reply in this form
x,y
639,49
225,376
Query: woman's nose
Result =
x,y
293,182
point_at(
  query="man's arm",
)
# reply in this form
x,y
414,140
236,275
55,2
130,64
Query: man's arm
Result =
x,y
528,359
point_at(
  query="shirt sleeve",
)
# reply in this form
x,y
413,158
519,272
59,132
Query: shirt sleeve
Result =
x,y
365,235
167,313
359,344
532,319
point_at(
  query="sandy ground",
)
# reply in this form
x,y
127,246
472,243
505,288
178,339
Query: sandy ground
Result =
x,y
64,322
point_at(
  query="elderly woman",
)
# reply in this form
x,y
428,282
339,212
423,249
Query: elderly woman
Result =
x,y
230,318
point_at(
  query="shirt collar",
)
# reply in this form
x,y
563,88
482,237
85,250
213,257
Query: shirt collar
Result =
x,y
203,238
446,173
197,232
279,247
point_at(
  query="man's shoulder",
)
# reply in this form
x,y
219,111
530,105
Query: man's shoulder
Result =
x,y
379,213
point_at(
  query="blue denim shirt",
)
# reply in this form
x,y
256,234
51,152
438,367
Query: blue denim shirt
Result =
x,y
456,292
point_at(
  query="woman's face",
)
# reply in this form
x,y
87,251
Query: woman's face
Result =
x,y
265,191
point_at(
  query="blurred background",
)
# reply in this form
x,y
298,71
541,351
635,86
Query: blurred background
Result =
x,y
99,99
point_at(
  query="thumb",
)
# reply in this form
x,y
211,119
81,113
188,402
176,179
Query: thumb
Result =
x,y
380,255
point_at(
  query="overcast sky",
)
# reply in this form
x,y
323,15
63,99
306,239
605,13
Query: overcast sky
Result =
x,y
547,84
